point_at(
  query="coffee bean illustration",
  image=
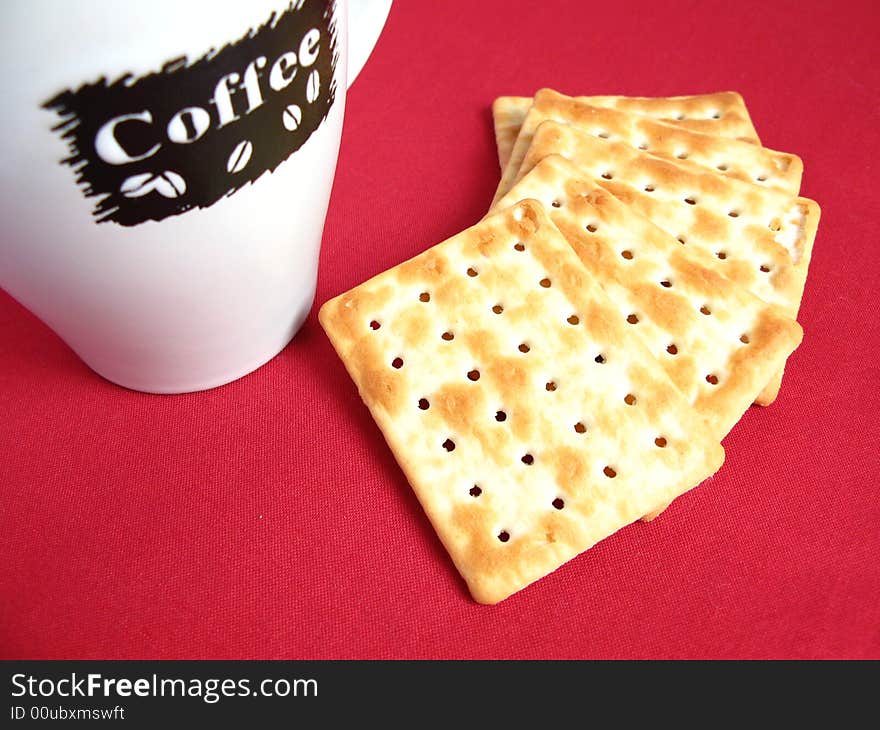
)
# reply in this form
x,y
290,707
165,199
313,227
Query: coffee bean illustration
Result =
x,y
291,117
239,157
313,86
168,184
136,185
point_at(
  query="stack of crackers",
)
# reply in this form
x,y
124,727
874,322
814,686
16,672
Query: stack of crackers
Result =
x,y
570,364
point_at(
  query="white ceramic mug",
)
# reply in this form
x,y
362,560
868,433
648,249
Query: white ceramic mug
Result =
x,y
166,173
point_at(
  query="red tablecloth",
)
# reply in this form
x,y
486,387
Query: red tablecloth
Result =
x,y
267,518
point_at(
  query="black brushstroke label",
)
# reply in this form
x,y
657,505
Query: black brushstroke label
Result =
x,y
188,135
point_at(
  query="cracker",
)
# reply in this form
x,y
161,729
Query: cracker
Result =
x,y
733,158
526,438
723,114
720,361
761,238
508,113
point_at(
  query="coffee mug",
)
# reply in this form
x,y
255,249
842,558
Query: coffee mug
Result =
x,y
167,171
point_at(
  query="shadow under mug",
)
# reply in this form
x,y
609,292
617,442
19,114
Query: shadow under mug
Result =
x,y
168,168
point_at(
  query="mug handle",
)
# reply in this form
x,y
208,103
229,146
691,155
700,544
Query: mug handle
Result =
x,y
366,18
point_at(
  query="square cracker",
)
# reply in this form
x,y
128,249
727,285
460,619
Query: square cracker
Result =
x,y
729,157
723,114
720,358
761,238
526,438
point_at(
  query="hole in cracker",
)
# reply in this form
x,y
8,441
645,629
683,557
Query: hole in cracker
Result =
x,y
744,339
504,536
712,379
550,386
556,204
603,135
649,188
500,416
723,166
721,255
580,427
558,503
573,320
660,442
475,491
449,445
672,350
643,145
592,227
627,254
682,155
632,319
765,268
715,115
666,283
448,336
600,359
424,404
397,363
630,399
609,472
424,297
680,116
498,309
374,325
519,246
733,213
691,200
761,178
472,272
523,347
545,282
474,375
528,459
682,240
775,225
607,176
705,310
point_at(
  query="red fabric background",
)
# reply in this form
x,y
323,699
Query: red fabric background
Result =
x,y
267,518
